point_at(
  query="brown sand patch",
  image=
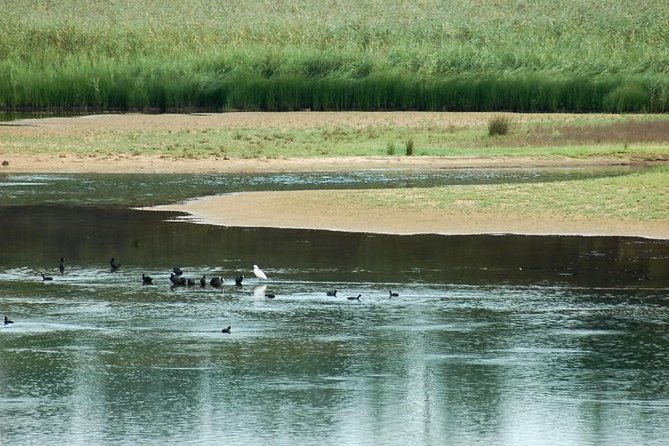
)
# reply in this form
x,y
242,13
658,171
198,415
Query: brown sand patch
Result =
x,y
68,163
335,211
200,121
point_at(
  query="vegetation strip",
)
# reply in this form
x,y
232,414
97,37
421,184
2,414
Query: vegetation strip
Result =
x,y
544,56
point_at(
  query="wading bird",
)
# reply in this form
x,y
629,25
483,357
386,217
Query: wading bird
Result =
x,y
259,273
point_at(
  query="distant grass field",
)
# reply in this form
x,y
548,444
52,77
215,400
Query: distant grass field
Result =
x,y
462,55
635,137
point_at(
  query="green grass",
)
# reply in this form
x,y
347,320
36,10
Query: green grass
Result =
x,y
639,196
509,55
641,137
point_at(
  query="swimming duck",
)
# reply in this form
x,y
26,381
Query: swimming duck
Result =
x,y
216,282
147,280
7,321
355,298
332,293
177,281
226,330
392,294
45,278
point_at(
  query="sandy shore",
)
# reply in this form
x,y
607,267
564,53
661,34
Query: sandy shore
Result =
x,y
155,164
326,210
335,211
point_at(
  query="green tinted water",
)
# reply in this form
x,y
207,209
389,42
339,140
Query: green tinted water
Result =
x,y
493,339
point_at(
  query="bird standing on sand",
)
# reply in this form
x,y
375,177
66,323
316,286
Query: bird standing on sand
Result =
x,y
259,273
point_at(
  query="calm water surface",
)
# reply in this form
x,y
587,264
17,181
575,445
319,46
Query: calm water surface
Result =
x,y
493,340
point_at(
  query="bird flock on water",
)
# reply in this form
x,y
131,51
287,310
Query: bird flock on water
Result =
x,y
177,280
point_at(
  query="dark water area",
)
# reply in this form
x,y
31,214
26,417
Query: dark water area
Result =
x,y
36,235
493,339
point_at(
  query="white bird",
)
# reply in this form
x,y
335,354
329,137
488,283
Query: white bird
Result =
x,y
258,272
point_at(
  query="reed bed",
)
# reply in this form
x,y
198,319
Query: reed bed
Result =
x,y
521,56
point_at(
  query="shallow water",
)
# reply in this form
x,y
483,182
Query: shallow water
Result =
x,y
493,339
153,189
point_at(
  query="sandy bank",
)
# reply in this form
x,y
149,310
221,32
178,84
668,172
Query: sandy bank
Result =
x,y
335,211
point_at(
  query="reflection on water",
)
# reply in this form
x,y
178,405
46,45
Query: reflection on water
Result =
x,y
492,340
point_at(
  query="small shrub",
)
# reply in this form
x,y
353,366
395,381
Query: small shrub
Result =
x,y
390,148
409,147
499,125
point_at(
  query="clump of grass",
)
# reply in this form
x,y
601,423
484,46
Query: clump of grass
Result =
x,y
390,148
499,126
409,145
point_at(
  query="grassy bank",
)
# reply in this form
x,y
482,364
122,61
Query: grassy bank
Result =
x,y
306,135
523,56
639,196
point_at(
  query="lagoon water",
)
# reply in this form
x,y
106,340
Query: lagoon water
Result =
x,y
496,339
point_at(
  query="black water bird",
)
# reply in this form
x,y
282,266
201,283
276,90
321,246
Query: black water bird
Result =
x,y
392,294
61,265
238,280
355,298
203,282
216,282
332,293
226,330
190,282
147,280
270,295
177,271
7,321
177,281
114,264
46,278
